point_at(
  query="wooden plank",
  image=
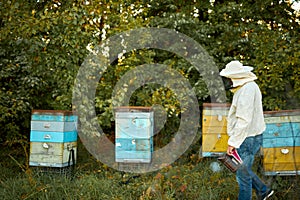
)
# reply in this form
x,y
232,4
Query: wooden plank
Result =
x,y
134,115
133,109
277,167
134,144
51,154
134,128
50,159
281,154
42,136
223,112
215,109
282,119
215,105
214,142
212,154
133,156
214,129
214,121
282,173
282,130
53,126
134,124
133,150
57,118
281,142
54,115
53,112
47,164
52,148
282,113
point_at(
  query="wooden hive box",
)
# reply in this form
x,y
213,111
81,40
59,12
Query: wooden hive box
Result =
x,y
134,134
53,138
214,129
281,143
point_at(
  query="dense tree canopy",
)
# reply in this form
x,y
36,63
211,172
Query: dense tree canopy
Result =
x,y
44,42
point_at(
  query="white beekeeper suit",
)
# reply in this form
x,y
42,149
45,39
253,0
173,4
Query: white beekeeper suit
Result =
x,y
245,117
245,125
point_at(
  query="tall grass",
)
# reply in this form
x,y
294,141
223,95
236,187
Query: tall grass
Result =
x,y
188,178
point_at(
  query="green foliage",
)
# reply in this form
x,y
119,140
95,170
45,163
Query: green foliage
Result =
x,y
261,34
43,44
39,59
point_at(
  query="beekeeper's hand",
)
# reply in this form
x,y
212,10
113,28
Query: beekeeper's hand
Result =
x,y
230,150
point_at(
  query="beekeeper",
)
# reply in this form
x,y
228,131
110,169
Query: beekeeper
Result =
x,y
245,125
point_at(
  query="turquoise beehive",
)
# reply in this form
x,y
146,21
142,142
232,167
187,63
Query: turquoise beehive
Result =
x,y
53,138
134,134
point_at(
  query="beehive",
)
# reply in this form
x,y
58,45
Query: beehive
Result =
x,y
53,138
214,129
134,134
281,143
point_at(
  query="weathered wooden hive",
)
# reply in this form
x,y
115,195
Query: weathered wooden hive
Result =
x,y
214,129
53,138
134,134
281,143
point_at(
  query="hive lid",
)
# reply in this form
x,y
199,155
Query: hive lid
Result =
x,y
218,105
53,112
133,109
282,113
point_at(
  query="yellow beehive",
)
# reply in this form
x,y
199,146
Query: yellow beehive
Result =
x,y
214,129
281,160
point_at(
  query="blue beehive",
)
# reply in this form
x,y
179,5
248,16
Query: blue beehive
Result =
x,y
53,138
134,134
281,143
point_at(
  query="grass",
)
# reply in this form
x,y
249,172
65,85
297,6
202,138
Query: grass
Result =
x,y
188,178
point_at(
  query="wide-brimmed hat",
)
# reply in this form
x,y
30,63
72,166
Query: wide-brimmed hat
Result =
x,y
235,69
